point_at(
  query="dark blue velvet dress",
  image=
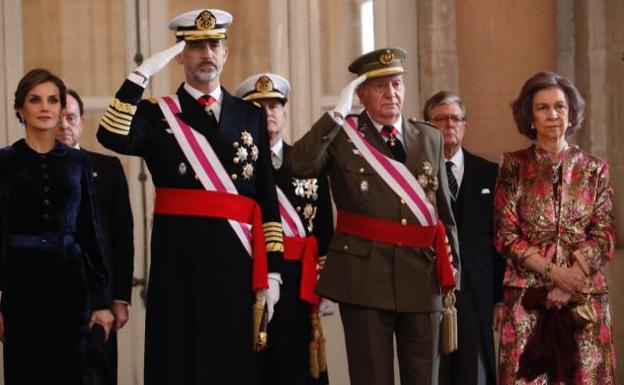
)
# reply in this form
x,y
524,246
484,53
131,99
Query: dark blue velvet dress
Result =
x,y
51,267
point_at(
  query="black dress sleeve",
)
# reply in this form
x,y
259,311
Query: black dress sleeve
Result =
x,y
122,240
90,240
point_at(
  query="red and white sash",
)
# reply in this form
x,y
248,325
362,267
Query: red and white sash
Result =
x,y
204,161
291,222
405,185
395,174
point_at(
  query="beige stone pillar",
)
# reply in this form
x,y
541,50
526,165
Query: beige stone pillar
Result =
x,y
599,72
11,63
438,54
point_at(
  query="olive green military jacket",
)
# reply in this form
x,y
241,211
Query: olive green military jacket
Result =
x,y
364,272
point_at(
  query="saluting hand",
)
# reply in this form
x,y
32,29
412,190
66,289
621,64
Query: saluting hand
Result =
x,y
155,63
345,100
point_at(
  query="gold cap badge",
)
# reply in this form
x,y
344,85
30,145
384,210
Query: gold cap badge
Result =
x,y
205,20
387,57
264,84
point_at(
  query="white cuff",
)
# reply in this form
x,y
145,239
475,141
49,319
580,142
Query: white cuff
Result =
x,y
276,277
138,79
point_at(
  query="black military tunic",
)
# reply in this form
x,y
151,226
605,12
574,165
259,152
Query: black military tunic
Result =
x,y
199,305
286,361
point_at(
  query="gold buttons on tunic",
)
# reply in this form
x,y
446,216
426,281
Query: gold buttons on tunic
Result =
x,y
361,170
402,201
345,247
234,176
404,221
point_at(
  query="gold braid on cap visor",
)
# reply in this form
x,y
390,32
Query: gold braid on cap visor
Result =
x,y
264,95
202,35
384,72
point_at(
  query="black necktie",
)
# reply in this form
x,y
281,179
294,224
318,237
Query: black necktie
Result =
x,y
395,144
452,182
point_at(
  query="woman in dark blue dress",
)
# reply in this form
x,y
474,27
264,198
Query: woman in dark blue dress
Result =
x,y
51,268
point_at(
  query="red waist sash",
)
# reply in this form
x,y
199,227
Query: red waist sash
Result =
x,y
385,231
304,249
204,203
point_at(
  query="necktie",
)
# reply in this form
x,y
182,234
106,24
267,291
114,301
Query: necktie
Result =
x,y
395,145
207,101
277,162
452,182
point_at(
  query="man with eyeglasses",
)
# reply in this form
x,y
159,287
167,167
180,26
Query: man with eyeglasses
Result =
x,y
471,182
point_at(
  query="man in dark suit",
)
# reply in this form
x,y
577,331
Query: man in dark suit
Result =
x,y
379,268
113,205
287,358
217,236
471,182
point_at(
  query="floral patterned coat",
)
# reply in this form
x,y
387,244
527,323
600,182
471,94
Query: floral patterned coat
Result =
x,y
527,213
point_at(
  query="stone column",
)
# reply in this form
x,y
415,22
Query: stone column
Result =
x,y
598,69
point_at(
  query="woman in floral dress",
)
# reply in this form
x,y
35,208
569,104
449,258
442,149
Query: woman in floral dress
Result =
x,y
554,225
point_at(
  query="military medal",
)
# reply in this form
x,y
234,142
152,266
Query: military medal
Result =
x,y
247,171
182,168
254,153
241,153
246,138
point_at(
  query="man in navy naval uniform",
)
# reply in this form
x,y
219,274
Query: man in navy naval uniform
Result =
x,y
116,225
287,359
216,223
471,183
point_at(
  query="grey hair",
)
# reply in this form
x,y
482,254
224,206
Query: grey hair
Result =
x,y
443,97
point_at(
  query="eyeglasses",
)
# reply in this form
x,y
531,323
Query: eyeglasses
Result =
x,y
444,118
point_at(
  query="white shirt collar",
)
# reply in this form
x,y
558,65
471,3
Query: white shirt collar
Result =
x,y
217,94
398,125
458,162
277,154
278,149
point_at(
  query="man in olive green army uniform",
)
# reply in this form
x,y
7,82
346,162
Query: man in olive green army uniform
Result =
x,y
382,267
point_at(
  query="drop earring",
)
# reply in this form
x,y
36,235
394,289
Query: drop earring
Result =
x,y
532,127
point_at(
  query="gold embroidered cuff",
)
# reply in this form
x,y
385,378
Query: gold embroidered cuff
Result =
x,y
123,107
275,246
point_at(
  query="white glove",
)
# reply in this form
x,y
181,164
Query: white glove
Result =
x,y
326,307
345,100
272,294
155,63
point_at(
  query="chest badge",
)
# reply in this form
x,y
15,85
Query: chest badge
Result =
x,y
364,186
182,169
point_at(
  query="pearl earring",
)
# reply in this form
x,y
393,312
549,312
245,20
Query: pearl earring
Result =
x,y
569,124
532,127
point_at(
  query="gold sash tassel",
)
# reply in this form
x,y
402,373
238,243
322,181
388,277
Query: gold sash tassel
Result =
x,y
449,323
318,358
260,322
